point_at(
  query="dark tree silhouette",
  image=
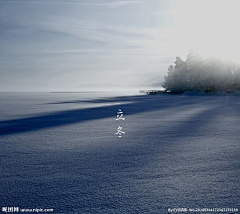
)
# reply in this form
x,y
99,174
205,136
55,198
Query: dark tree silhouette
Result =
x,y
201,74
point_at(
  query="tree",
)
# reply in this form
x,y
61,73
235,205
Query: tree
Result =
x,y
201,74
176,79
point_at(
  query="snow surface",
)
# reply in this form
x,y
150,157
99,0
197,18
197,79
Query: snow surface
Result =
x,y
60,151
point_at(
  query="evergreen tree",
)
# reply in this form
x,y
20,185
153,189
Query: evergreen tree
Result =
x,y
202,75
176,79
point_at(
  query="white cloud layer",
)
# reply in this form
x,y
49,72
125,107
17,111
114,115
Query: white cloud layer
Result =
x,y
65,44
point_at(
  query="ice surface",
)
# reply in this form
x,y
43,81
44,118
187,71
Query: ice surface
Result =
x,y
60,151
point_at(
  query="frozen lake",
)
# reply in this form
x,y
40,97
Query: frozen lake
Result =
x,y
61,151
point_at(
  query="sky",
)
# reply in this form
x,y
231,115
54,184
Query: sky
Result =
x,y
75,45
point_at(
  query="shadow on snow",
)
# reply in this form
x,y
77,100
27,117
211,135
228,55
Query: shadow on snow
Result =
x,y
138,104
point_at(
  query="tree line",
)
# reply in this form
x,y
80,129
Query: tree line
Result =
x,y
201,74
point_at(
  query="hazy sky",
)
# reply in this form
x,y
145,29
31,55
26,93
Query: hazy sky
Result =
x,y
48,45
